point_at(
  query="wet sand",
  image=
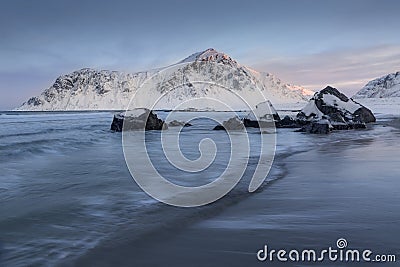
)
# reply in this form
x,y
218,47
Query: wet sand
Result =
x,y
344,189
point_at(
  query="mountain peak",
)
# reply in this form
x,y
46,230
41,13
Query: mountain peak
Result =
x,y
211,55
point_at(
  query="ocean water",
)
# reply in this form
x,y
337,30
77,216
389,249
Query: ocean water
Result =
x,y
65,186
66,193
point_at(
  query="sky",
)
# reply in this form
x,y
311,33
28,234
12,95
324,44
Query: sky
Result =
x,y
311,43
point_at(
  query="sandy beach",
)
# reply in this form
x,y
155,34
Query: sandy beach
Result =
x,y
334,190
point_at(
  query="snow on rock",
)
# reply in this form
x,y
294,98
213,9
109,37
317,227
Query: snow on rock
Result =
x,y
383,87
207,74
342,112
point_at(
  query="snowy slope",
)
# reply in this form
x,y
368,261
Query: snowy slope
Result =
x,y
87,89
206,74
385,86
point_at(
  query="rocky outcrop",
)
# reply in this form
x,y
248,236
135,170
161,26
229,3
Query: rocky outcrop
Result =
x,y
363,115
176,123
263,114
233,124
137,119
343,113
337,107
317,127
289,122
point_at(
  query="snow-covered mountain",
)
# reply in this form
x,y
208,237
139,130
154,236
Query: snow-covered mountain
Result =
x,y
385,86
203,74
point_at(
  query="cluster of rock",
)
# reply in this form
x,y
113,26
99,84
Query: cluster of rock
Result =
x,y
142,119
327,110
137,119
233,124
176,123
263,116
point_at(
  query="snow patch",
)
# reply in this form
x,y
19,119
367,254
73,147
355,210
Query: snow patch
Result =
x,y
342,105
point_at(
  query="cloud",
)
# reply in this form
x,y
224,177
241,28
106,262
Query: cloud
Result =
x,y
347,69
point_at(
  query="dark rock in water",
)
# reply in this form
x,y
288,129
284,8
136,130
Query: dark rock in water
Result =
x,y
137,119
342,112
359,125
276,117
117,123
364,115
233,124
251,123
317,127
263,114
258,124
348,126
219,128
176,123
289,122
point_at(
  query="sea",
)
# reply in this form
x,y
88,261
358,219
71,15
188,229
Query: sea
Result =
x,y
68,199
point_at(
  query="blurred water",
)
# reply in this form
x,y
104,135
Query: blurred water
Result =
x,y
65,188
64,184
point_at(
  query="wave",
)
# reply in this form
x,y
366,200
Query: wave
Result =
x,y
96,127
152,218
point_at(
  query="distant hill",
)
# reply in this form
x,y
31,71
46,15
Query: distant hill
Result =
x,y
383,87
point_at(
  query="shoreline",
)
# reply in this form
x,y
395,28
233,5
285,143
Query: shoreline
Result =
x,y
327,207
103,213
114,246
184,219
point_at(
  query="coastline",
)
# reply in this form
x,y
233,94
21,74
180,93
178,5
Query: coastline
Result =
x,y
113,250
311,207
101,216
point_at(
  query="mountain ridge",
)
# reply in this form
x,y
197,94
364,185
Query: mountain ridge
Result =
x,y
92,89
383,87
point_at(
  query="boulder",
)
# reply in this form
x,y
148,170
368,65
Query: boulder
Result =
x,y
176,123
233,124
343,113
117,123
137,119
317,127
288,122
364,115
250,123
264,114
